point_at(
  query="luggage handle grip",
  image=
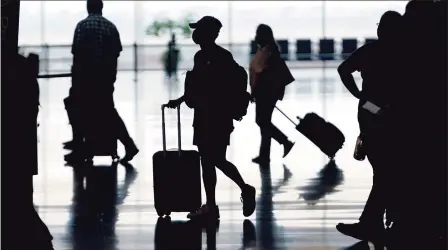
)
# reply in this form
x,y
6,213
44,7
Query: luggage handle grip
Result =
x,y
179,142
295,124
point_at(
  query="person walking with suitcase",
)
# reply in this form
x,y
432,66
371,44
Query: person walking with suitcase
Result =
x,y
96,48
269,76
375,61
208,93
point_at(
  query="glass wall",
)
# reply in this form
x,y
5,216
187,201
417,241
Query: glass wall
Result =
x,y
53,22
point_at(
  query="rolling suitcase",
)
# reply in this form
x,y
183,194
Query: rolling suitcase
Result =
x,y
100,134
327,137
177,176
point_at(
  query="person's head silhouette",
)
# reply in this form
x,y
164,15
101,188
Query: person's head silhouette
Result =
x,y
94,6
264,36
206,30
389,24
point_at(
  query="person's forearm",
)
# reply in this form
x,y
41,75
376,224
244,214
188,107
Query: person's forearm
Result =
x,y
350,84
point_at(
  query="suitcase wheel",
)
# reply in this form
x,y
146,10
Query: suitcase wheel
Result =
x,y
168,213
160,213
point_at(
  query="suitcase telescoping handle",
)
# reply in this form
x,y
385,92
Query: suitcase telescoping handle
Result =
x,y
178,130
295,124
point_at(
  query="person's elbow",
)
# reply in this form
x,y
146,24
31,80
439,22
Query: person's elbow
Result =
x,y
341,69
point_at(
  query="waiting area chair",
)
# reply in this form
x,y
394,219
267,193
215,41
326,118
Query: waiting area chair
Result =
x,y
369,39
349,45
326,49
303,50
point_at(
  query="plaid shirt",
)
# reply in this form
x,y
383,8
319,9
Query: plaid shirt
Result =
x,y
96,39
96,48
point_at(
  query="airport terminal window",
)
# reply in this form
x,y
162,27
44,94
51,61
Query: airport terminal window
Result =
x,y
159,10
60,19
356,19
30,31
289,20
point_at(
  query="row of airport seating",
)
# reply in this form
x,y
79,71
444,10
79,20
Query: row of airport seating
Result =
x,y
304,50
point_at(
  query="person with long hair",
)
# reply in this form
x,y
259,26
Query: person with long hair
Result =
x,y
269,76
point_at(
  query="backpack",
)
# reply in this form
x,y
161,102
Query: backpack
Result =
x,y
240,97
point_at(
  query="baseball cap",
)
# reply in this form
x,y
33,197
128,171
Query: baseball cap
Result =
x,y
207,22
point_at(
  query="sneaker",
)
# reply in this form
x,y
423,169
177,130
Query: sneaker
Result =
x,y
248,200
287,148
362,232
130,154
205,212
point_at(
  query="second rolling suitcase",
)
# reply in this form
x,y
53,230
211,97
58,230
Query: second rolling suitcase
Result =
x,y
177,176
326,136
100,133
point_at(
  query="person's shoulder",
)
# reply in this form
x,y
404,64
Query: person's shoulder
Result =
x,y
81,23
224,52
109,22
370,46
366,49
198,54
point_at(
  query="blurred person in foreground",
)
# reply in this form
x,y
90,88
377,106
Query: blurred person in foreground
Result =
x,y
419,129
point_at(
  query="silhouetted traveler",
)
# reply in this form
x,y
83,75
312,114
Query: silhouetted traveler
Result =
x,y
269,76
210,96
172,58
375,61
17,197
96,48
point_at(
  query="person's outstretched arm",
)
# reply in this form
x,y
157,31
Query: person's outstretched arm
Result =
x,y
347,67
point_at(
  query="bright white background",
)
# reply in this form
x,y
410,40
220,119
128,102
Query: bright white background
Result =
x,y
53,22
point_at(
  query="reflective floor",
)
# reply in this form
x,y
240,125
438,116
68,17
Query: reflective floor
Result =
x,y
300,199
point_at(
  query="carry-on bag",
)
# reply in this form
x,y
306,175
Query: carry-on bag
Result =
x,y
177,176
100,133
326,136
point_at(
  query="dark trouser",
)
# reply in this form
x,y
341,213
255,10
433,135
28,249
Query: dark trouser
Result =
x,y
82,113
373,213
122,132
74,119
263,114
214,155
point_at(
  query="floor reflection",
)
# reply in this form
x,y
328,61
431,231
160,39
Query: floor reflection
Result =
x,y
325,183
266,222
108,207
188,234
94,209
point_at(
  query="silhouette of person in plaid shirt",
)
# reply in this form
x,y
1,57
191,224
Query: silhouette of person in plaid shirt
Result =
x,y
96,48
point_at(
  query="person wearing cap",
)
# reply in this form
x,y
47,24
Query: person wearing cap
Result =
x,y
208,94
376,61
96,48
